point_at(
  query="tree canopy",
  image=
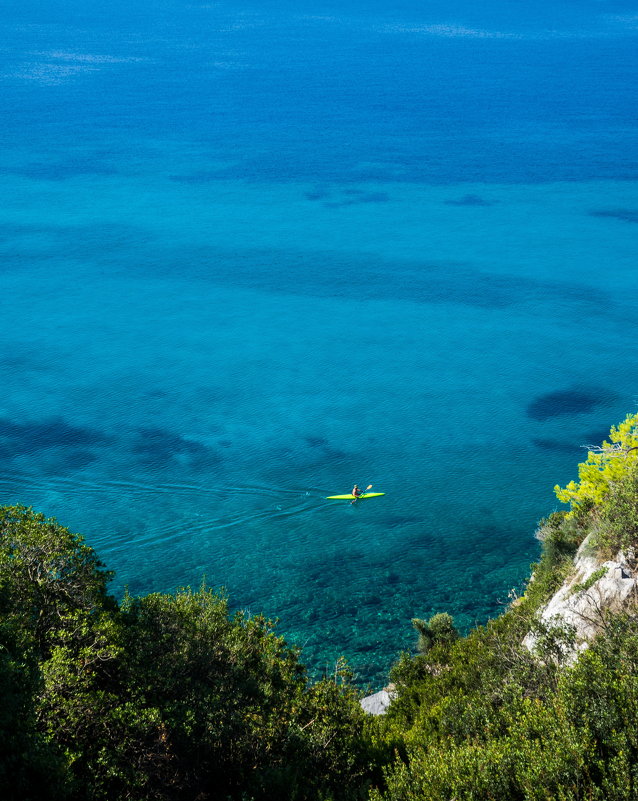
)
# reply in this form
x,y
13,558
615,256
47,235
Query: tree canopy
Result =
x,y
161,697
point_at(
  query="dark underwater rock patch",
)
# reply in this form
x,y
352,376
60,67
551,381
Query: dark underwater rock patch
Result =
x,y
567,402
326,274
339,198
625,215
468,200
596,437
397,521
67,461
161,446
52,433
355,198
555,445
316,442
317,194
62,171
78,458
200,177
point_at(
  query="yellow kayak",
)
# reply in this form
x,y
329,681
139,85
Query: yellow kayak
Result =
x,y
350,496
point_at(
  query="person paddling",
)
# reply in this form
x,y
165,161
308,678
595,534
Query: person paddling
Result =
x,y
357,492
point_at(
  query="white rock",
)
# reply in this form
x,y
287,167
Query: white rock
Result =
x,y
587,609
377,703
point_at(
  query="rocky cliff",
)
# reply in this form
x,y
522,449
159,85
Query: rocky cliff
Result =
x,y
593,591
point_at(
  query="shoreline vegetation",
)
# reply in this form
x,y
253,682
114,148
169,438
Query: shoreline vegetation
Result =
x,y
170,697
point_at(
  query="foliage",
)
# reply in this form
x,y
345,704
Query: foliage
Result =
x,y
554,640
539,755
561,536
438,630
618,528
48,577
29,768
601,470
496,726
235,701
52,591
167,697
590,581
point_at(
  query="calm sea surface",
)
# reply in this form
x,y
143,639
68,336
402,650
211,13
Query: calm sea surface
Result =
x,y
251,253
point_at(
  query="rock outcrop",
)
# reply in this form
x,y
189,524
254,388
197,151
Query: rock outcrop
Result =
x,y
378,703
592,592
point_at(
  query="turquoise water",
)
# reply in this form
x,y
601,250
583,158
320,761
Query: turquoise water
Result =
x,y
251,255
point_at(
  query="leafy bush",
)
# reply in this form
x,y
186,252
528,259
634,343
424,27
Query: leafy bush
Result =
x,y
601,470
167,698
561,535
52,598
619,515
438,630
494,726
590,581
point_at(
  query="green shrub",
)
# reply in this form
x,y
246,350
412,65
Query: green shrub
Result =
x,y
494,726
590,581
561,536
618,528
602,469
168,698
438,630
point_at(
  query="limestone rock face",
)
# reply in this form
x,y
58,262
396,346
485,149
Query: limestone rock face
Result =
x,y
378,703
593,591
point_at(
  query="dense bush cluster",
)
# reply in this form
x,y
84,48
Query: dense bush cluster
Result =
x,y
618,526
488,721
602,469
162,697
172,698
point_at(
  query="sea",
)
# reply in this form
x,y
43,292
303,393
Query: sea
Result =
x,y
254,252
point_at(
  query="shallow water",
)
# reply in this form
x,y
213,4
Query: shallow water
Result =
x,y
251,255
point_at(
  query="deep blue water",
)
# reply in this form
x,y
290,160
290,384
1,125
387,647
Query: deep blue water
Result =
x,y
252,253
